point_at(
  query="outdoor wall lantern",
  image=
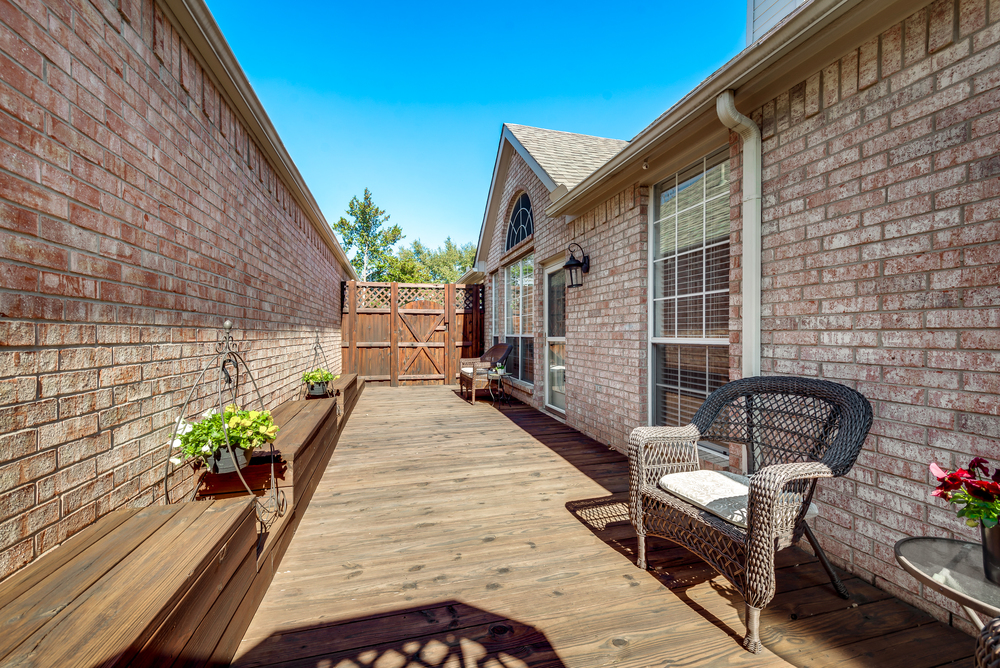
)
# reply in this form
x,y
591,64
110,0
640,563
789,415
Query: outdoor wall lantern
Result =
x,y
575,268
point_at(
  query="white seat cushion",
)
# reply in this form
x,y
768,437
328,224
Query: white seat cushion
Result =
x,y
467,370
721,493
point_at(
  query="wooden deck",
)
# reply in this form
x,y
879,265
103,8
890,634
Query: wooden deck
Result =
x,y
444,534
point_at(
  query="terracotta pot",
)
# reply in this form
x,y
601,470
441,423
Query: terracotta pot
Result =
x,y
991,552
223,463
316,389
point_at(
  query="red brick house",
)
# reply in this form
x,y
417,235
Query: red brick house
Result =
x,y
824,205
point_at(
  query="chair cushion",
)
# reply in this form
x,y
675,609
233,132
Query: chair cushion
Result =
x,y
467,370
721,493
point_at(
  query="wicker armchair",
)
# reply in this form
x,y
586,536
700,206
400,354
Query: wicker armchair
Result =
x,y
472,370
988,645
795,431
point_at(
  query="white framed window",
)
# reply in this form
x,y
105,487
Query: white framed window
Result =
x,y
519,321
494,288
689,289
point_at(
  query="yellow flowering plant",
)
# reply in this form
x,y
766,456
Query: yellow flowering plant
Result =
x,y
197,442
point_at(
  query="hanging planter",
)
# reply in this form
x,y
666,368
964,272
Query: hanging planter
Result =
x,y
224,438
318,382
223,462
223,442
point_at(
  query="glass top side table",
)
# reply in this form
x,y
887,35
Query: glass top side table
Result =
x,y
955,569
497,377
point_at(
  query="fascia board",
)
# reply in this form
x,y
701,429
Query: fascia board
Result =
x,y
203,35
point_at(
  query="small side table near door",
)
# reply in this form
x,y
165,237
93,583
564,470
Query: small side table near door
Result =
x,y
954,568
498,378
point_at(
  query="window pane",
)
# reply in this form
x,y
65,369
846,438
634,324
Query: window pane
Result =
x,y
691,188
664,195
690,272
557,303
527,295
665,237
513,363
664,315
717,219
717,315
717,174
513,299
691,228
557,375
689,317
665,278
684,376
717,267
528,359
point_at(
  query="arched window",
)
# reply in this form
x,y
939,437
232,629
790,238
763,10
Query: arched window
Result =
x,y
521,225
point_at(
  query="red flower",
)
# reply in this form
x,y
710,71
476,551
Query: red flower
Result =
x,y
983,490
979,463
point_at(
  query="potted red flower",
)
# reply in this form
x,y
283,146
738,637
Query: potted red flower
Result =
x,y
977,491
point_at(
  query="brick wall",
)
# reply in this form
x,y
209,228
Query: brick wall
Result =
x,y
136,214
881,263
605,318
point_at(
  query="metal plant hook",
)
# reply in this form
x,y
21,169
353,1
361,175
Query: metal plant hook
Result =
x,y
227,361
317,353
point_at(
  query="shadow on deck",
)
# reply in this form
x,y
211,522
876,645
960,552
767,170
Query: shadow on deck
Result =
x,y
444,534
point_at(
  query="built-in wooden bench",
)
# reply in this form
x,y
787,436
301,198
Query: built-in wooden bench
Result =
x,y
138,587
170,585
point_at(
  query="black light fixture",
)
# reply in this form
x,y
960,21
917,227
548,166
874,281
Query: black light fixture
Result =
x,y
575,268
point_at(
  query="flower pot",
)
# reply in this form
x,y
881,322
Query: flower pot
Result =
x,y
316,389
991,553
223,463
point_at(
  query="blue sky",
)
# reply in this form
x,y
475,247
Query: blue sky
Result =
x,y
407,99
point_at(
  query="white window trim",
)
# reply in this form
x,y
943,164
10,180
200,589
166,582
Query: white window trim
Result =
x,y
651,309
551,269
505,272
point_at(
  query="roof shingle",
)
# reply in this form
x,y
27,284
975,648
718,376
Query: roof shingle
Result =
x,y
566,157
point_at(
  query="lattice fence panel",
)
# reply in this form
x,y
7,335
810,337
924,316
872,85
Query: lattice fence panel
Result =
x,y
410,295
468,298
374,296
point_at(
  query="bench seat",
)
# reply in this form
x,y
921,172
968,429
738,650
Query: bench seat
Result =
x,y
139,587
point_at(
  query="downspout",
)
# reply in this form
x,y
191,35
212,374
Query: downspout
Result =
x,y
725,106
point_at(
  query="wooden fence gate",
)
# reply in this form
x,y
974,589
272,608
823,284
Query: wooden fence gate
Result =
x,y
410,333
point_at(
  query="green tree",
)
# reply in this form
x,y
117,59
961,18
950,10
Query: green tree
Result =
x,y
406,269
443,265
371,241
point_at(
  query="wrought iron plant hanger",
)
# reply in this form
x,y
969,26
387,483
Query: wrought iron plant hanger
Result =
x,y
227,361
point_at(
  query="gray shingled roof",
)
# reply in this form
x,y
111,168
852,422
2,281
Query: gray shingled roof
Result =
x,y
566,157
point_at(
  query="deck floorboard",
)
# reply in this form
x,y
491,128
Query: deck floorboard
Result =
x,y
445,534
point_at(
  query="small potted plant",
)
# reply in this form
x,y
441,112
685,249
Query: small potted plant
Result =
x,y
203,443
317,382
977,492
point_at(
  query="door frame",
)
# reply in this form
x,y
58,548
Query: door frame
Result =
x,y
548,270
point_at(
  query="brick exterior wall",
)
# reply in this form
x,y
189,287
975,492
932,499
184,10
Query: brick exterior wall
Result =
x,y
136,214
881,263
605,318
